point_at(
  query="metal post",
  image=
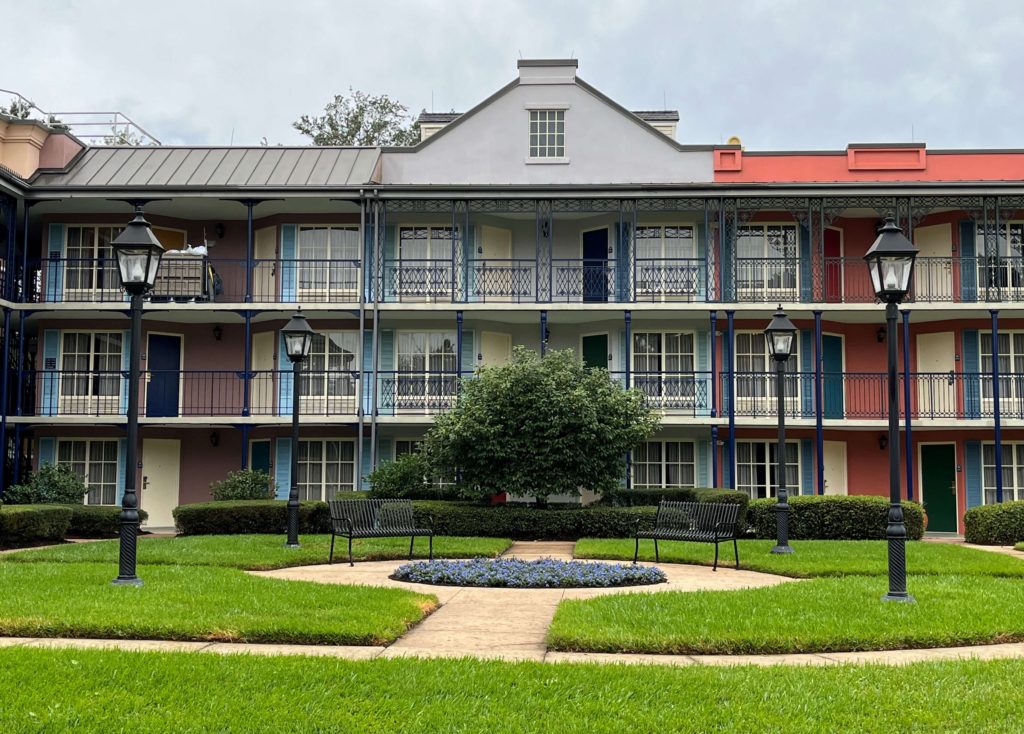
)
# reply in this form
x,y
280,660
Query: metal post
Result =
x,y
543,332
293,492
247,367
129,517
782,545
731,381
896,531
458,343
714,364
819,408
361,380
908,440
249,247
996,416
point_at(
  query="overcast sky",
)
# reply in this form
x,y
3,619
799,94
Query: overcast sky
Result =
x,y
781,74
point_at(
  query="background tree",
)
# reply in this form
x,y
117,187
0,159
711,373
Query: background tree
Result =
x,y
123,136
359,118
22,110
539,427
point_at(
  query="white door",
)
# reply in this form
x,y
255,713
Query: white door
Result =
x,y
161,469
936,390
834,454
495,348
262,396
264,280
933,273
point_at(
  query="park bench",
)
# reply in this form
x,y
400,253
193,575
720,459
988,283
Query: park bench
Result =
x,y
695,522
375,519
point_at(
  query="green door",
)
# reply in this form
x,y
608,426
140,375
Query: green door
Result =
x,y
938,486
595,350
832,376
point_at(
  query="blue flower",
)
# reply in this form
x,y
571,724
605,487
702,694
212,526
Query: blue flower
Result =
x,y
516,573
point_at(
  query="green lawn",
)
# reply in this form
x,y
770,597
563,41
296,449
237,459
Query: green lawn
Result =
x,y
817,557
260,552
189,603
104,691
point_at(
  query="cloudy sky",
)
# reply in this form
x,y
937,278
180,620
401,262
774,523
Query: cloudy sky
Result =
x,y
782,74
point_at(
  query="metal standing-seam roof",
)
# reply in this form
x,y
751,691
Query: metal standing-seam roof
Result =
x,y
205,167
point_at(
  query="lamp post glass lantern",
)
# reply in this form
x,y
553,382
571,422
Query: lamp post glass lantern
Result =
x,y
780,335
891,265
298,340
138,254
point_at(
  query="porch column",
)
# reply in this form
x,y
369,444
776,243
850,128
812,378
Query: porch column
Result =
x,y
908,442
247,367
249,249
378,234
714,395
543,333
458,342
627,359
995,405
819,411
731,388
360,364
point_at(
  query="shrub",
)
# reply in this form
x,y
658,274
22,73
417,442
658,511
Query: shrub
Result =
x,y
529,522
818,517
55,484
243,484
407,477
1001,524
236,517
623,497
26,525
96,521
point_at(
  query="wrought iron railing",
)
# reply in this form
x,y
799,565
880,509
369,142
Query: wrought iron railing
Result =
x,y
415,280
677,279
677,393
416,392
586,280
766,279
508,281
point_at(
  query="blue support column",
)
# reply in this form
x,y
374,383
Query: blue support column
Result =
x,y
458,341
819,412
731,386
995,405
627,360
908,440
249,249
714,364
543,332
247,367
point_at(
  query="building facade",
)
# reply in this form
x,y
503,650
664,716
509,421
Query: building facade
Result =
x,y
547,216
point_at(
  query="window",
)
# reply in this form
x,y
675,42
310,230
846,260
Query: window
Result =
x,y
755,369
97,462
328,261
547,133
663,367
424,267
755,468
427,370
330,371
91,369
1006,267
405,446
666,260
766,261
90,262
1011,366
1013,472
326,467
664,464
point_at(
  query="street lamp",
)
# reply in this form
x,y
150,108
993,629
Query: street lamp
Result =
x,y
780,336
298,338
138,253
891,264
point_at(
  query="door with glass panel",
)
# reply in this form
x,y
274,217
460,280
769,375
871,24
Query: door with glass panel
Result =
x,y
90,272
90,377
663,369
1011,373
96,462
328,378
326,468
424,267
427,377
328,264
1001,266
766,263
755,376
756,468
667,268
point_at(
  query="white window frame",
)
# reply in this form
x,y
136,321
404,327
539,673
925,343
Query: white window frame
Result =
x,y
315,276
664,464
428,277
99,267
674,388
1013,460
425,391
322,492
754,389
90,497
544,145
760,285
769,468
70,402
338,387
654,277
1011,379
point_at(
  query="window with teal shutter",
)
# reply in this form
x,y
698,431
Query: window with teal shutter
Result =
x,y
806,377
806,467
703,464
50,377
367,378
972,472
126,352
468,358
369,264
55,264
387,390
47,451
702,263
288,264
806,293
968,261
283,468
702,380
971,373
122,469
285,378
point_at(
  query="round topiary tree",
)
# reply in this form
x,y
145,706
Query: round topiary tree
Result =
x,y
539,426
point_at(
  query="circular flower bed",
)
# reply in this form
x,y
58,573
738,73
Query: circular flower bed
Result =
x,y
512,573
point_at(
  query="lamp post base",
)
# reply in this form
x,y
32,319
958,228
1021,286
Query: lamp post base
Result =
x,y
132,581
904,597
782,549
292,545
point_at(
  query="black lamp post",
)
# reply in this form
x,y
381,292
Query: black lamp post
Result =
x,y
891,264
138,253
298,338
780,336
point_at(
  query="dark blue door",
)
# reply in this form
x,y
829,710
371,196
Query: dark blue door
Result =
x,y
832,375
163,362
596,276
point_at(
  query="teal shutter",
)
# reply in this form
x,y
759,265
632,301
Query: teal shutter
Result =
x,y
285,376
972,472
971,374
367,381
700,268
968,262
804,264
55,264
50,388
805,381
364,483
468,358
385,450
289,269
369,264
259,456
703,463
702,380
47,451
283,468
386,398
390,265
126,353
806,467
122,469
468,271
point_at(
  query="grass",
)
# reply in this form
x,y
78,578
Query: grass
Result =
x,y
187,603
102,691
821,615
815,558
259,552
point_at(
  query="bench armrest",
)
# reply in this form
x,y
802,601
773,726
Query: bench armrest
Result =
x,y
430,523
351,527
725,524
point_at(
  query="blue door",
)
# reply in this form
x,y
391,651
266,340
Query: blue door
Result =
x,y
163,362
596,276
832,376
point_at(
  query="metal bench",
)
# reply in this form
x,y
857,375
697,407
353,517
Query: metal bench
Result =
x,y
696,522
375,519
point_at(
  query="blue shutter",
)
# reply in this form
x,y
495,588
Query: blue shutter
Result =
x,y
390,264
468,357
386,344
364,484
968,262
702,380
285,369
47,451
288,265
468,271
805,264
122,469
367,378
701,266
283,468
703,463
971,374
126,353
972,472
55,265
369,265
805,381
50,388
806,467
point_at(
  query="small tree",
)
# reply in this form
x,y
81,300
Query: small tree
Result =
x,y
55,484
361,119
244,484
404,478
540,426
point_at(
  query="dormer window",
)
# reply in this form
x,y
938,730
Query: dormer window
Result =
x,y
547,134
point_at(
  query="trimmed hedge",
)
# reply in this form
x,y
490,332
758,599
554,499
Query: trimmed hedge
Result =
x,y
237,517
818,517
1001,524
96,521
27,525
